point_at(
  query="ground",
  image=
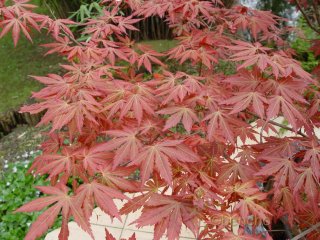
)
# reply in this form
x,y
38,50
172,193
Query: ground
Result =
x,y
19,143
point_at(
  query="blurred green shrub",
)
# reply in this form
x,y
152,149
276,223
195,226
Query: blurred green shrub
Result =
x,y
302,46
17,188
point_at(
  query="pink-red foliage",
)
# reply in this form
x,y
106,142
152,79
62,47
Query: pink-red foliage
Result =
x,y
200,141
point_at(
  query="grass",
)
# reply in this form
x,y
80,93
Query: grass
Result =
x,y
160,45
16,64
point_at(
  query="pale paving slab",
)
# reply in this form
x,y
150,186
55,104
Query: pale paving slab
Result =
x,y
76,233
147,235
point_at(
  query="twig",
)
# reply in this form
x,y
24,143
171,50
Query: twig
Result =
x,y
261,131
315,7
64,33
288,128
279,125
306,17
316,12
305,232
50,9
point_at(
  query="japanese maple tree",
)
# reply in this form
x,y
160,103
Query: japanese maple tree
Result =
x,y
206,146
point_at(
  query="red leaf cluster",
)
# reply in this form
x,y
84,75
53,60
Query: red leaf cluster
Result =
x,y
205,145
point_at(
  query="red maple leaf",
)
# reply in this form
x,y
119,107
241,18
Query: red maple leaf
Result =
x,y
251,201
148,56
185,114
308,183
242,101
89,193
159,157
168,214
125,142
283,169
59,200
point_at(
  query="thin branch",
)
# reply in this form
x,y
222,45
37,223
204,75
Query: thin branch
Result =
x,y
64,33
306,232
261,131
50,9
306,17
279,125
315,7
288,128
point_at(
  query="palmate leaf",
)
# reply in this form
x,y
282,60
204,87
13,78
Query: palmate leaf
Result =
x,y
248,206
17,26
57,87
175,86
221,123
62,202
242,101
55,164
117,178
195,8
199,55
61,113
233,171
149,56
126,144
278,147
185,114
112,51
139,104
312,157
283,169
283,203
150,188
130,100
108,23
250,202
153,8
93,158
160,156
288,109
254,54
289,89
60,25
102,195
61,45
308,183
168,214
126,23
247,50
253,20
178,93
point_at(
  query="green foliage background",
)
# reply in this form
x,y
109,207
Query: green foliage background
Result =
x,y
302,46
17,188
